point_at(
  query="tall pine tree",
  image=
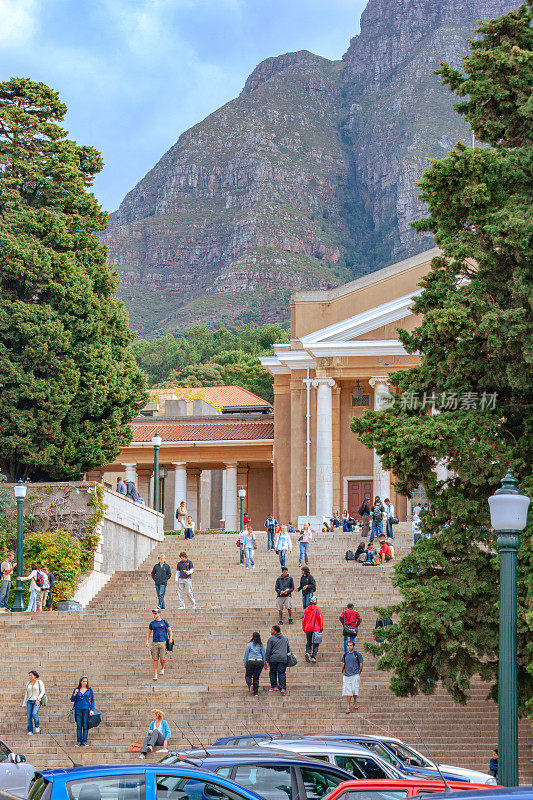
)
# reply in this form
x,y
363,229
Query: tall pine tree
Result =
x,y
69,384
475,343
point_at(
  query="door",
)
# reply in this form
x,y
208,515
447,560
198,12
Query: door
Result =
x,y
357,490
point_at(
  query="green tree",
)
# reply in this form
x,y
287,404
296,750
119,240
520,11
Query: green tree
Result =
x,y
475,347
69,382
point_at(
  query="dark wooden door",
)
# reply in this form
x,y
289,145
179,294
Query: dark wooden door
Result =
x,y
357,490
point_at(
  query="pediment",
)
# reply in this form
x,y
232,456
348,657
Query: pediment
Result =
x,y
374,321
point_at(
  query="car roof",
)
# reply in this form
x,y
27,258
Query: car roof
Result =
x,y
235,755
79,771
493,793
318,746
349,736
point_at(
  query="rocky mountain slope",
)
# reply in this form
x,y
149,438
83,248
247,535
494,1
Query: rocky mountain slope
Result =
x,y
306,180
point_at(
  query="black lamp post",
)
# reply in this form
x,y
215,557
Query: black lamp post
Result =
x,y
20,493
508,516
242,495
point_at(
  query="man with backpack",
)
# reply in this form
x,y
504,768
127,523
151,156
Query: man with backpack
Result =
x,y
271,525
352,668
43,581
350,620
378,509
364,513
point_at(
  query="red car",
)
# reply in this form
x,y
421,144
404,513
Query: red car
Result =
x,y
395,790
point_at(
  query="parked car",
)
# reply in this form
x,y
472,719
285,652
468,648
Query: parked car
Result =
x,y
248,740
358,761
275,775
409,760
395,790
15,772
496,793
136,782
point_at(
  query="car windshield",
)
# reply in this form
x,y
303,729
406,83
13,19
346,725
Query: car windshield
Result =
x,y
378,748
409,756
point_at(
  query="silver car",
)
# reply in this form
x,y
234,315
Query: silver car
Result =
x,y
15,773
357,760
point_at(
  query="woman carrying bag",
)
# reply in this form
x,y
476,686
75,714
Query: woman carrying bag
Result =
x,y
83,699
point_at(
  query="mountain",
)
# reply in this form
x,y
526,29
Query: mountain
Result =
x,y
306,180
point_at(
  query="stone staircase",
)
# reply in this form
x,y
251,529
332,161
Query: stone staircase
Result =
x,y
203,692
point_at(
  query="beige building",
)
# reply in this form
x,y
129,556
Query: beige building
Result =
x,y
343,347
215,440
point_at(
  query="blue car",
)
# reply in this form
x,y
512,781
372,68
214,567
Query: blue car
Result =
x,y
136,782
273,775
516,793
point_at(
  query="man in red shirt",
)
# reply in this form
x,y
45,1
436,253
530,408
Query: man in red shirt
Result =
x,y
350,620
313,625
385,553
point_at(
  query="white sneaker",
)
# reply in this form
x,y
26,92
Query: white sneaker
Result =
x,y
142,755
30,733
37,730
150,748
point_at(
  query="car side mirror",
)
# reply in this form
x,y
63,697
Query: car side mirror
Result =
x,y
11,758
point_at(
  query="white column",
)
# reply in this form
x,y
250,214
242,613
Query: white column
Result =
x,y
131,472
381,476
324,446
223,517
180,485
231,519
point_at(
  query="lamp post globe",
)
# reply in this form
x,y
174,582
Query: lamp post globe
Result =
x,y
508,515
156,442
20,490
242,494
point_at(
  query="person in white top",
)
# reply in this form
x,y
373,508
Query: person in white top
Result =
x,y
389,511
304,538
35,590
181,516
32,700
249,545
282,544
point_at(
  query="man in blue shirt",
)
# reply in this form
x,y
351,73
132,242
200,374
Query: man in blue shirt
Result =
x,y
352,668
271,525
161,633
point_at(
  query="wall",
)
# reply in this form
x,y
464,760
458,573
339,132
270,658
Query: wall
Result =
x,y
129,533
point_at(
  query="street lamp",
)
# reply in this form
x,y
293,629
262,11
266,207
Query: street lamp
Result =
x,y
508,516
242,494
20,493
156,441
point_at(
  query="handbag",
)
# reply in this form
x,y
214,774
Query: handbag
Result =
x,y
135,747
349,630
169,645
95,719
291,659
316,637
394,520
70,716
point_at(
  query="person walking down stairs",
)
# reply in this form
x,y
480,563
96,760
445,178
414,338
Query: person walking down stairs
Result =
x,y
254,662
161,633
284,589
277,655
33,697
312,625
83,699
283,544
352,668
184,571
307,586
158,734
249,545
161,574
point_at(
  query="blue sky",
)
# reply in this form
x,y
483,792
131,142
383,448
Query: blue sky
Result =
x,y
136,73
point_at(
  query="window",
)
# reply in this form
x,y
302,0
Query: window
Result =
x,y
4,751
176,787
224,771
408,756
40,789
379,750
318,783
361,766
272,783
113,787
318,757
375,794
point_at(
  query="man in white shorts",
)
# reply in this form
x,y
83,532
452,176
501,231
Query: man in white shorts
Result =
x,y
352,668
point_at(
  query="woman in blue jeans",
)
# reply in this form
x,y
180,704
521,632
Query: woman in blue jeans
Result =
x,y
32,700
83,699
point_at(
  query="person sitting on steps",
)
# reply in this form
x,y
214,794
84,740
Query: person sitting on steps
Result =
x,y
158,734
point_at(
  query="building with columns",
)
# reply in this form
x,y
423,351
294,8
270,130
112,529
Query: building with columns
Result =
x,y
343,347
215,440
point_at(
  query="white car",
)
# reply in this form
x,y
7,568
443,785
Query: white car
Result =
x,y
357,760
15,773
408,756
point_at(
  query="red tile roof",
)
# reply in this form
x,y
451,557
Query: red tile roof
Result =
x,y
208,432
224,396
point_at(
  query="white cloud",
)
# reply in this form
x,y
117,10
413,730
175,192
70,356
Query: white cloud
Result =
x,y
18,22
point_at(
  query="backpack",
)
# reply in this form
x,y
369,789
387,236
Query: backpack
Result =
x,y
377,512
362,509
39,580
349,555
132,491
